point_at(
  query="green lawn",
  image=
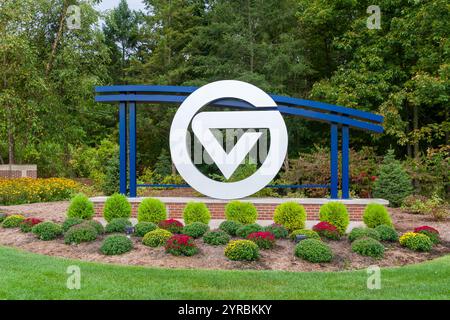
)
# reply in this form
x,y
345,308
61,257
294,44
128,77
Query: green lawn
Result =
x,y
30,276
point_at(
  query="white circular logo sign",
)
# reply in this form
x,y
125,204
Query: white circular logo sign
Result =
x,y
203,122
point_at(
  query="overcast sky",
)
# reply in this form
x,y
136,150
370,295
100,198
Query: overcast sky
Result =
x,y
109,4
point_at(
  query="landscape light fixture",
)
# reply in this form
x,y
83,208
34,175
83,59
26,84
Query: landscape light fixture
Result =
x,y
300,237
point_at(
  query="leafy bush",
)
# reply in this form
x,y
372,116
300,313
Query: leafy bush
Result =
x,y
336,214
80,233
376,214
151,210
156,238
118,225
111,177
415,204
368,247
181,244
28,224
172,225
216,237
230,227
393,183
196,212
96,225
291,215
264,239
195,229
358,233
80,207
70,222
279,231
313,250
2,217
243,212
327,230
116,206
431,232
242,250
416,241
310,234
116,244
142,228
245,230
387,233
13,221
47,230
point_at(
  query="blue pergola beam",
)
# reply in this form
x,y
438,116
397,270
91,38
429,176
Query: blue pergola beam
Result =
x,y
334,168
123,147
345,164
132,126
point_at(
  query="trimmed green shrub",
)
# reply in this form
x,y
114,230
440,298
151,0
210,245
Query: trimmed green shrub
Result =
x,y
291,215
96,225
376,214
279,231
243,212
368,247
230,227
313,250
181,244
80,233
151,210
195,229
116,206
242,250
263,239
118,225
216,237
47,230
416,241
116,244
196,212
13,221
310,234
387,233
336,214
142,228
80,207
2,217
431,232
156,238
358,233
245,230
70,222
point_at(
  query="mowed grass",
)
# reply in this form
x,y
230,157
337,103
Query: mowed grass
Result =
x,y
25,275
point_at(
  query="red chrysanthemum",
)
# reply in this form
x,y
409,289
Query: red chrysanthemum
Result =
x,y
426,228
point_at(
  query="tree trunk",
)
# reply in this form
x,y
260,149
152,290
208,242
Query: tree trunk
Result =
x,y
11,141
408,128
416,127
57,39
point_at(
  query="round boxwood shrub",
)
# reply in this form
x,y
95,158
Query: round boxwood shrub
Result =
x,y
310,234
70,222
96,225
2,217
263,239
13,221
387,233
181,244
291,215
118,225
47,230
358,233
80,233
116,244
368,247
313,250
431,232
279,231
327,230
172,225
195,229
156,238
230,227
116,206
245,230
80,207
336,214
376,214
416,241
243,212
28,224
142,228
216,237
151,210
196,212
242,250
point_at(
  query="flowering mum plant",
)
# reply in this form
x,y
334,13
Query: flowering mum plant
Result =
x,y
171,225
181,244
416,241
264,239
431,232
327,230
27,224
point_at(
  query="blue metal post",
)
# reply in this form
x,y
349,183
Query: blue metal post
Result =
x,y
345,162
132,130
123,147
334,161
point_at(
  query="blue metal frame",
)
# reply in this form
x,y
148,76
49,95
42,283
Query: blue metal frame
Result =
x,y
337,116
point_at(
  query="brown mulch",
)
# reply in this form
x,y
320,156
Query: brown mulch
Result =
x,y
210,257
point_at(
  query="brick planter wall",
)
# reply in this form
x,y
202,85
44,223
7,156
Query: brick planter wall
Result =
x,y
265,206
18,171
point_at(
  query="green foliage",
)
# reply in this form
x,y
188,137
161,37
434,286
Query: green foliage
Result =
x,y
142,228
376,214
156,238
216,237
277,230
151,210
368,247
116,206
80,233
310,234
336,214
195,229
110,184
245,230
163,165
70,222
47,230
313,250
291,215
196,212
13,221
230,227
118,225
358,233
96,225
242,250
80,207
387,233
116,244
2,217
416,241
243,212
